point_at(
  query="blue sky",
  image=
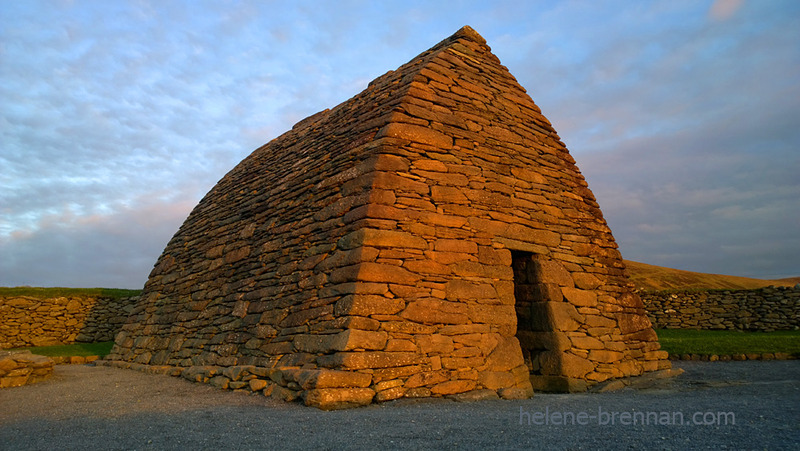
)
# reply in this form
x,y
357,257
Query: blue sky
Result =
x,y
118,116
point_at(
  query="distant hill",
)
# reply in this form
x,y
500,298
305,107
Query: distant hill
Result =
x,y
650,277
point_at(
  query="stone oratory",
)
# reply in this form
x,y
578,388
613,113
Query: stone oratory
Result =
x,y
431,236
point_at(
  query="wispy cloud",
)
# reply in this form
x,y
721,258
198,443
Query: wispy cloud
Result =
x,y
77,250
724,9
118,116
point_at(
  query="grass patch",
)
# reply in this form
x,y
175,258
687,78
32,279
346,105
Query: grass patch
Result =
x,y
55,292
80,349
727,342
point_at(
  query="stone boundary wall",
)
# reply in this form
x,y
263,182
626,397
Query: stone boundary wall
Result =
x,y
735,357
29,321
764,309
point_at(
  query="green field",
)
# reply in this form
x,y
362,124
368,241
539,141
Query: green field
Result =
x,y
724,342
77,349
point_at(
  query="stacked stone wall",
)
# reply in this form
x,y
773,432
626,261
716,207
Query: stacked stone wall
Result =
x,y
29,321
764,309
371,248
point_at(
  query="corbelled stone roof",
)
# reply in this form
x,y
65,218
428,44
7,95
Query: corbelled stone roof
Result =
x,y
405,241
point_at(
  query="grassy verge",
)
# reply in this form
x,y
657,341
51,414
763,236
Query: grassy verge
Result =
x,y
42,293
77,349
725,342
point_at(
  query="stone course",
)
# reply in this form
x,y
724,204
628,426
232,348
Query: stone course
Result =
x,y
431,236
19,368
764,309
29,321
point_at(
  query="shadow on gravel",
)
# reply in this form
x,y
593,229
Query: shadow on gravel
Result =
x,y
110,408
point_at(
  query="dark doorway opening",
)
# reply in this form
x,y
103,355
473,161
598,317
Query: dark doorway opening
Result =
x,y
534,324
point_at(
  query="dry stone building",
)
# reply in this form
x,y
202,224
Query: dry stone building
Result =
x,y
431,236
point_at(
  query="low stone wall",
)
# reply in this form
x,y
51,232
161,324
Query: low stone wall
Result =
x,y
21,368
734,357
764,309
28,321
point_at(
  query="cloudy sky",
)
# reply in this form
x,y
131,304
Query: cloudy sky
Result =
x,y
118,116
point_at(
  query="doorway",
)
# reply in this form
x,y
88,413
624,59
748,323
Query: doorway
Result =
x,y
534,324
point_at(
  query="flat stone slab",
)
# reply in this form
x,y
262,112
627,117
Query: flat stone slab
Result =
x,y
19,368
649,380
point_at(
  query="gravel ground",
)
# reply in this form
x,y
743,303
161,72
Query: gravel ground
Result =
x,y
87,407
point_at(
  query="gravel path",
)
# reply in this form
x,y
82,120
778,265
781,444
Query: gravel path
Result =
x,y
86,407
